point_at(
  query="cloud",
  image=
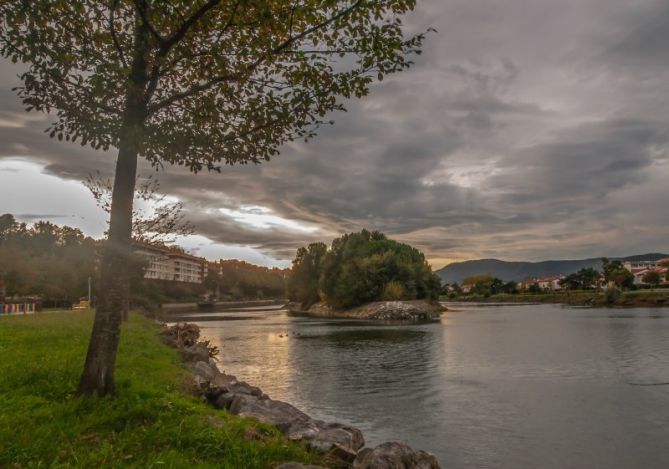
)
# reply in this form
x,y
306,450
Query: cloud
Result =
x,y
527,130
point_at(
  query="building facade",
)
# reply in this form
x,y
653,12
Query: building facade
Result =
x,y
174,266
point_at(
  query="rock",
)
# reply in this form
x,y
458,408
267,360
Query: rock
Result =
x,y
395,455
414,310
195,353
180,335
288,419
337,434
204,370
297,465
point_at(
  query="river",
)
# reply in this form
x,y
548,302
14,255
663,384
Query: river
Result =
x,y
529,386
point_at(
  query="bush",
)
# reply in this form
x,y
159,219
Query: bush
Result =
x,y
360,268
393,291
612,294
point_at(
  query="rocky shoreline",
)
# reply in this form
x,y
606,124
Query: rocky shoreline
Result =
x,y
341,445
415,310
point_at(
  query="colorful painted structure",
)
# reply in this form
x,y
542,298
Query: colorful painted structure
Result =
x,y
17,308
14,307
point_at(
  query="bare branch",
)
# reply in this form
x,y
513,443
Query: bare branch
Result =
x,y
112,30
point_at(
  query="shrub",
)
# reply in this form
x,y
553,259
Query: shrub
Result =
x,y
359,268
393,291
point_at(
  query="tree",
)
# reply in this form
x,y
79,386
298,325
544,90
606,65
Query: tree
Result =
x,y
367,266
195,83
163,224
652,278
615,271
584,279
304,277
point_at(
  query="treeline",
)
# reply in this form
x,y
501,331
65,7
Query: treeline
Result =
x,y
45,260
238,280
360,268
53,263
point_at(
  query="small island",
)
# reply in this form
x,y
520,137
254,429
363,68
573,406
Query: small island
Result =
x,y
364,275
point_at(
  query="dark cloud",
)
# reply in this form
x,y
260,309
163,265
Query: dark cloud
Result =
x,y
527,130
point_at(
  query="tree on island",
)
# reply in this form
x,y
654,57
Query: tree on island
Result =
x,y
192,83
360,268
302,285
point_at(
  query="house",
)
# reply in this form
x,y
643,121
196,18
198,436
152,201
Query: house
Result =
x,y
173,265
640,274
550,283
638,266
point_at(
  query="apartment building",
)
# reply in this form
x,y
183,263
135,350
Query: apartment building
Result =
x,y
167,264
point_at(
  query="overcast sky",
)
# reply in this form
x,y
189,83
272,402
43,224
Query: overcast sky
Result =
x,y
529,130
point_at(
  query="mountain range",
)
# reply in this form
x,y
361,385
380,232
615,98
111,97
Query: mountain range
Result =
x,y
506,270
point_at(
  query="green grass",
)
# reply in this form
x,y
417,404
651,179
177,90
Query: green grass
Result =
x,y
152,422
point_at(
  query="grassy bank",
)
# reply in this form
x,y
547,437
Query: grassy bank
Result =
x,y
634,298
151,423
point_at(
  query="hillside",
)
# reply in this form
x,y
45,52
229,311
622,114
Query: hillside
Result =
x,y
506,270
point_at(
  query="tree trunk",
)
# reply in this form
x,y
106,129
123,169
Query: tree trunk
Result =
x,y
98,374
114,286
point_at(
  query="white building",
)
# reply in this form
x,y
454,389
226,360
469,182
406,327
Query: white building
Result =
x,y
637,266
165,264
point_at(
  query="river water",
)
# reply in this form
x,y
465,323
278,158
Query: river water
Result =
x,y
530,386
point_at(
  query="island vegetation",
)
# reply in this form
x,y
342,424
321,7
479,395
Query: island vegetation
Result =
x,y
360,268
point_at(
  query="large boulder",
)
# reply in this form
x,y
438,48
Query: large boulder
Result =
x,y
204,370
195,353
333,435
395,455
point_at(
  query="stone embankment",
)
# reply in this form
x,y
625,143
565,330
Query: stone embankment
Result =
x,y
417,310
341,445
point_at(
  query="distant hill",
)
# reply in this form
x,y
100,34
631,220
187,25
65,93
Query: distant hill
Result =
x,y
504,270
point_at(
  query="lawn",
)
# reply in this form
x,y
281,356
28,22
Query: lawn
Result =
x,y
152,422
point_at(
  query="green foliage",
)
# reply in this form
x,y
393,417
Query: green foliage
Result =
x,y
393,291
615,272
197,83
652,278
584,279
45,260
612,294
363,267
151,423
238,280
303,282
487,285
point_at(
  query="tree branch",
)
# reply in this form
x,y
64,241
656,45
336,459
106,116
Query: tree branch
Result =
x,y
112,30
183,30
278,49
140,6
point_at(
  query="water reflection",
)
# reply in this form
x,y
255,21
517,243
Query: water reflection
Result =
x,y
508,386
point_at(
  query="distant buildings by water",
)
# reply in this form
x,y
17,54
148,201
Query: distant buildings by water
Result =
x,y
640,270
173,265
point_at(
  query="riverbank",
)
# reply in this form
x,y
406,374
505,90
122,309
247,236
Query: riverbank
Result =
x,y
631,299
416,310
153,420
